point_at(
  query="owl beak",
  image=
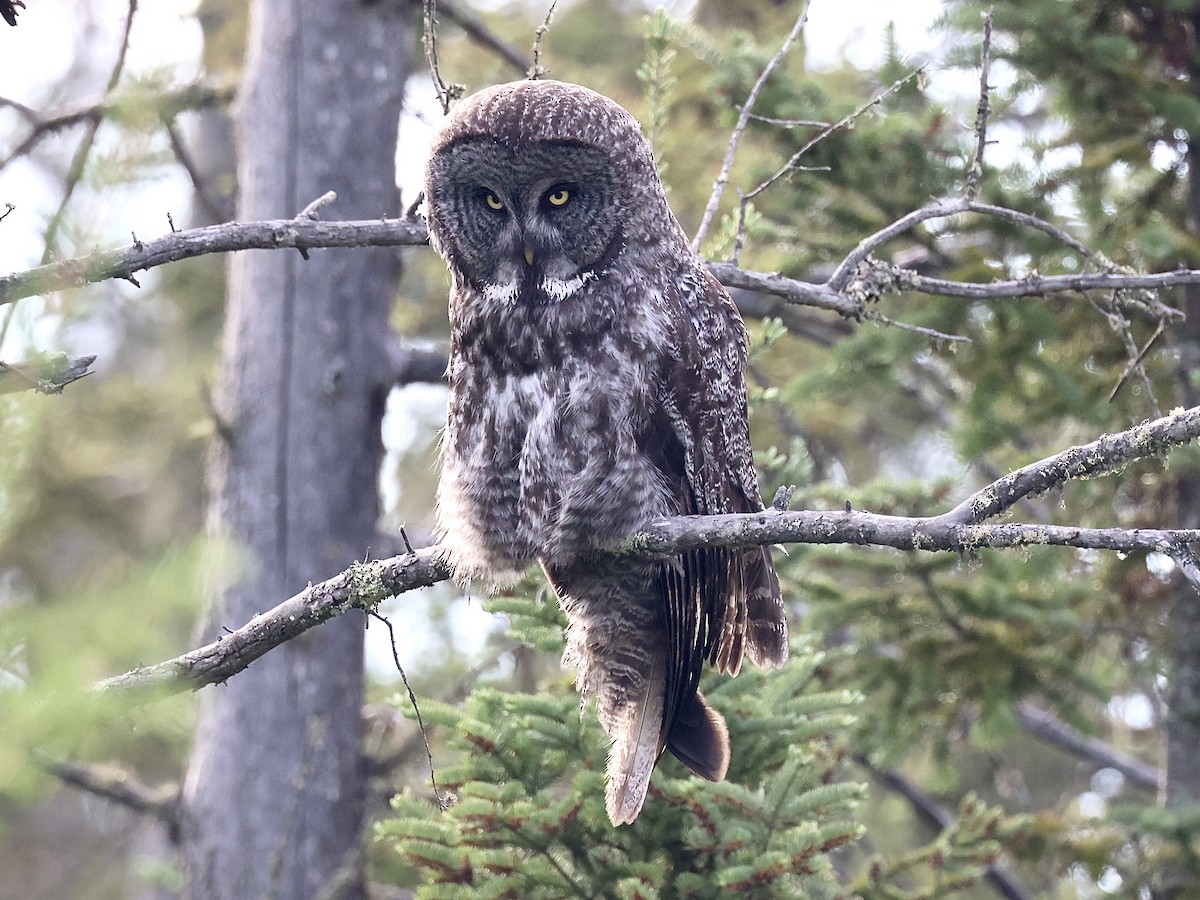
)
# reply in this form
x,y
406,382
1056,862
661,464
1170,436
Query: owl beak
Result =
x,y
529,254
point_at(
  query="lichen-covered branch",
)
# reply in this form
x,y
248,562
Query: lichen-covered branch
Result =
x,y
1103,455
364,585
46,375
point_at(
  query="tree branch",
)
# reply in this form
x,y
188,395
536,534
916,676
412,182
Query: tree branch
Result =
x,y
121,787
718,188
858,281
475,29
166,106
975,174
275,234
1101,456
362,586
366,584
48,375
1045,726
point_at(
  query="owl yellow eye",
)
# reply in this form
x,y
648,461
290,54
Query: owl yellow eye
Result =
x,y
493,202
558,197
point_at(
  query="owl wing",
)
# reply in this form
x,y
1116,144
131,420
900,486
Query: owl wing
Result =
x,y
719,603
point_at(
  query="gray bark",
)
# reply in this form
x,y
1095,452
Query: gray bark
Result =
x,y
273,799
1183,699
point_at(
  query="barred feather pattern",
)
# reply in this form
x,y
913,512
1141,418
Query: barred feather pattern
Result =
x,y
596,382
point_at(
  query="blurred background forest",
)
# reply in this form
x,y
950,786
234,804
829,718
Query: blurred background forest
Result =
x,y
983,725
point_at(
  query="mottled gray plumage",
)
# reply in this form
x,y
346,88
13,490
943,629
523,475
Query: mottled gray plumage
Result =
x,y
596,382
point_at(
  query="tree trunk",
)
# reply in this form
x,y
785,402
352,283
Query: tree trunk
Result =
x,y
1183,700
274,792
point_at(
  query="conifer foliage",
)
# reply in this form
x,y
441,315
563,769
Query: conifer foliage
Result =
x,y
523,808
525,813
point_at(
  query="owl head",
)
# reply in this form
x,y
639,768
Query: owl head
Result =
x,y
535,188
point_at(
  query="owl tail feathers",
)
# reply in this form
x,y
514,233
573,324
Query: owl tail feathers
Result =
x,y
635,730
700,739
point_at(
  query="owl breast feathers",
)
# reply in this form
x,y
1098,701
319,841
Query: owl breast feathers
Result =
x,y
596,382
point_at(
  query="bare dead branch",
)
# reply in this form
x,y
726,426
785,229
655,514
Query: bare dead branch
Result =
x,y
362,586
1037,285
48,375
474,28
537,70
805,293
868,245
932,333
975,175
714,199
668,537
430,23
274,234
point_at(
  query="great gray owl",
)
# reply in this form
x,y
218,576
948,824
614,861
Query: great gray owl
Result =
x,y
596,382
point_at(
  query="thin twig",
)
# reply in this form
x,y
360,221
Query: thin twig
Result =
x,y
412,698
430,22
84,150
537,70
714,199
78,161
211,205
841,123
790,123
931,333
312,209
476,30
1135,364
30,115
975,175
